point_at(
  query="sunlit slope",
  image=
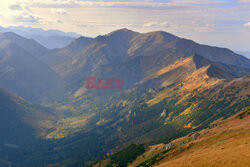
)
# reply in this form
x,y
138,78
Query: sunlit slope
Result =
x,y
190,92
127,54
225,143
142,114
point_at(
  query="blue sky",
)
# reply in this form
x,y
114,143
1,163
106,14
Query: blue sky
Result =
x,y
223,23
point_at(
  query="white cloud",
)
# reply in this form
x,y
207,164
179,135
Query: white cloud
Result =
x,y
15,7
58,11
26,17
150,24
155,24
247,24
18,7
199,1
144,4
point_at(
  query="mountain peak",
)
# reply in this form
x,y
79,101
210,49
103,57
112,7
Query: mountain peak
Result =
x,y
156,37
8,34
29,45
82,40
118,36
15,37
163,34
211,69
11,36
121,32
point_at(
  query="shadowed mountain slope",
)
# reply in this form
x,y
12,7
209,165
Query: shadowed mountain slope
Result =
x,y
29,45
22,72
21,124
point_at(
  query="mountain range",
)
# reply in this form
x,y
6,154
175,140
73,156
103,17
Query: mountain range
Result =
x,y
50,39
172,87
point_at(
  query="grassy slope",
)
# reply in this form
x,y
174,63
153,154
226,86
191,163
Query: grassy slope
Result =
x,y
123,157
194,101
191,104
226,144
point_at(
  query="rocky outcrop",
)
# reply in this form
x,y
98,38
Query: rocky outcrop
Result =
x,y
195,135
169,146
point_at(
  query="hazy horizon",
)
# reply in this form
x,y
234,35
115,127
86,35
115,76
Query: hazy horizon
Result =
x,y
216,22
73,34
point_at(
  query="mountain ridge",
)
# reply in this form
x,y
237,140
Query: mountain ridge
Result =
x,y
102,50
28,44
172,87
50,39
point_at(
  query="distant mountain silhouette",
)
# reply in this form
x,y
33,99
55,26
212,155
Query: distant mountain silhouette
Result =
x,y
50,39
